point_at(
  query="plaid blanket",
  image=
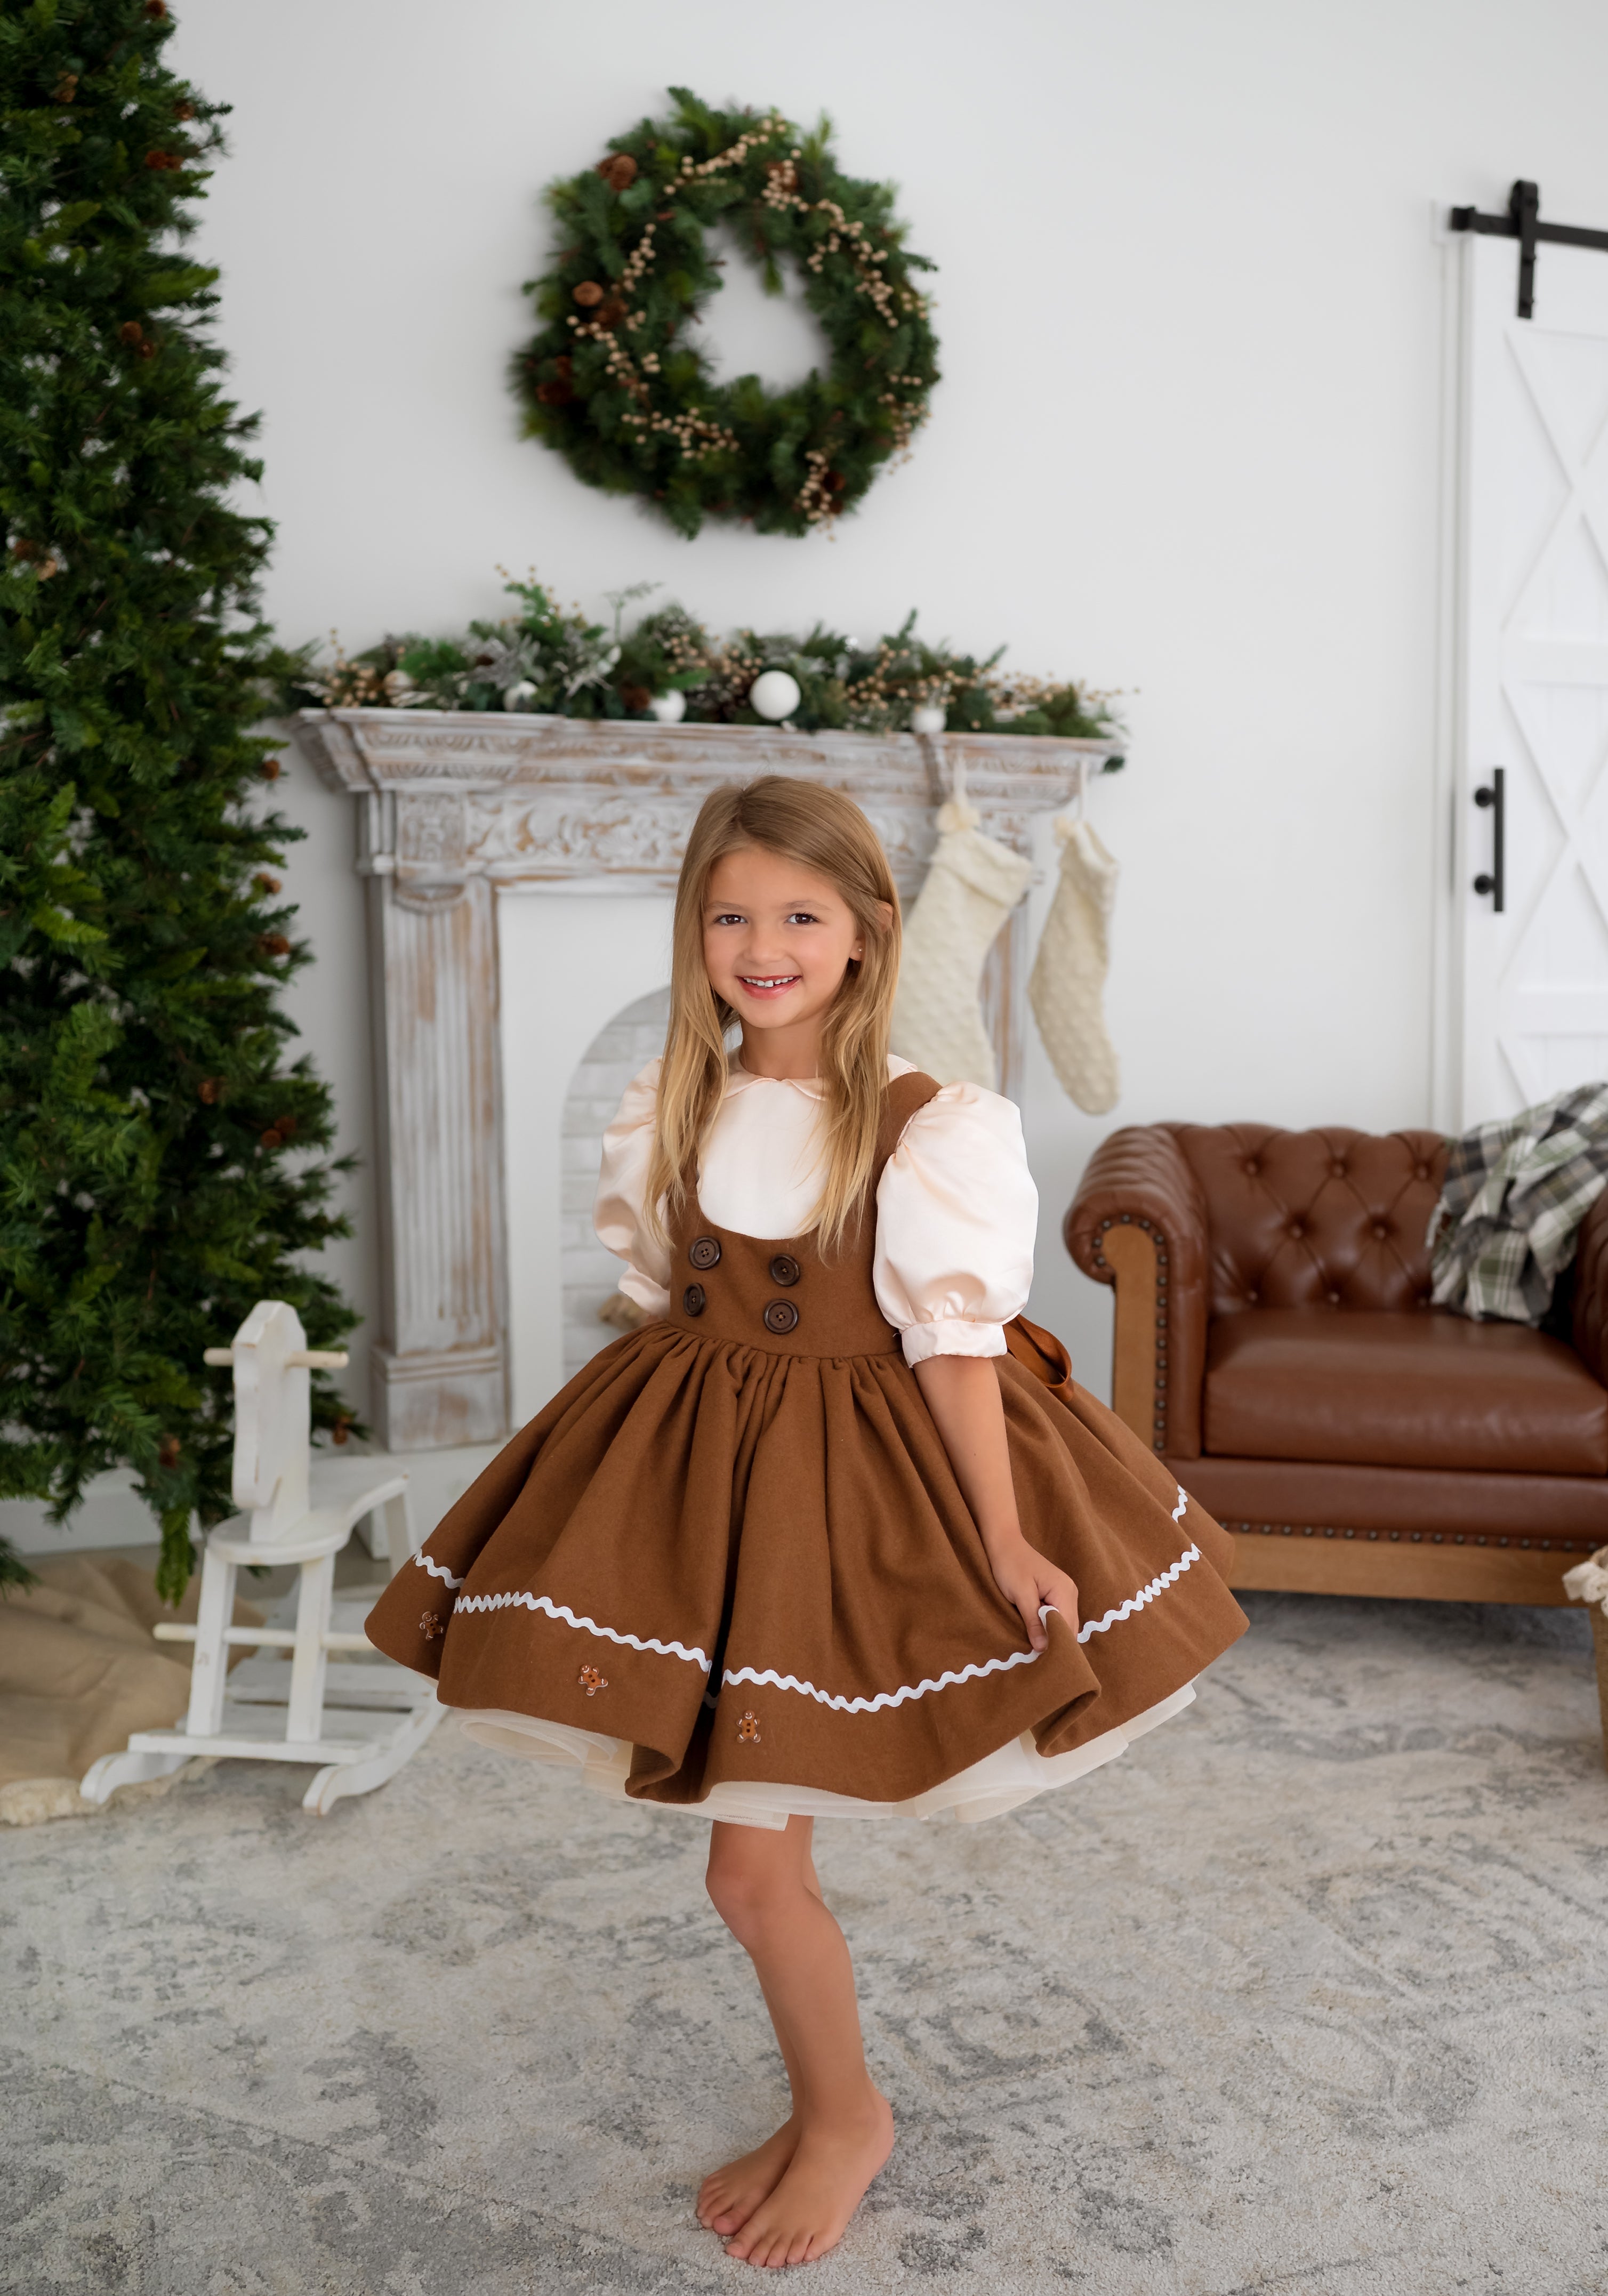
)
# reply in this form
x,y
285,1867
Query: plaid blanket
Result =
x,y
1512,1203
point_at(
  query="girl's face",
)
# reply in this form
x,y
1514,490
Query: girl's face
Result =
x,y
777,939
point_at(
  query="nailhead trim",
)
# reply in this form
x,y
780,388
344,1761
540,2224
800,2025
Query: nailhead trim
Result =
x,y
1436,1538
1159,1351
1130,1219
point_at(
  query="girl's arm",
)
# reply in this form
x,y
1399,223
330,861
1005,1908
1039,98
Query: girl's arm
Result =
x,y
962,1392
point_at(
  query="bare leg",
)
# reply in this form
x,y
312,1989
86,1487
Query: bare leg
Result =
x,y
729,2195
840,2130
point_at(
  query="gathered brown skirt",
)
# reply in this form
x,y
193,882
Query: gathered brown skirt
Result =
x,y
743,1578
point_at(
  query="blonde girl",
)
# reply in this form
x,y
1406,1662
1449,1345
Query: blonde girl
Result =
x,y
832,1531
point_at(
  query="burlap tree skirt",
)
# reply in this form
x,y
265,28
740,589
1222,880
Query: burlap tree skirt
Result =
x,y
79,1674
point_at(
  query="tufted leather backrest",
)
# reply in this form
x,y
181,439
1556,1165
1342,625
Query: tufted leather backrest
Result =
x,y
1309,1219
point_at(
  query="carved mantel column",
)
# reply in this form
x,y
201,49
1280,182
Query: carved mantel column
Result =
x,y
453,806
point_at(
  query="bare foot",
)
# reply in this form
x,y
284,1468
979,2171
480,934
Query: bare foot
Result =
x,y
825,2183
728,2196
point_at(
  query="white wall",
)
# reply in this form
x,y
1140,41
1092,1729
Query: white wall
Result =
x,y
1187,443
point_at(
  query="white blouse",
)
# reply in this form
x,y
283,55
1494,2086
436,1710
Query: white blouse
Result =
x,y
957,1211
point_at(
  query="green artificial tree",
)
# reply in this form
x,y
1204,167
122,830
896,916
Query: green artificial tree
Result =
x,y
163,1158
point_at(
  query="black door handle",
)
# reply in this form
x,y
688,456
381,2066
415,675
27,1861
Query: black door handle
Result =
x,y
1493,881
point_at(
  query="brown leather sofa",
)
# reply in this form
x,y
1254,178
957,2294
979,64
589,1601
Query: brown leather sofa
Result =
x,y
1274,1343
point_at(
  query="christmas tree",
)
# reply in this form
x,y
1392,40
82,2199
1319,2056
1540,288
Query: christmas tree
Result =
x,y
163,1157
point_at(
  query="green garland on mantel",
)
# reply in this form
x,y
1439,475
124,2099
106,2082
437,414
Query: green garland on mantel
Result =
x,y
669,666
614,385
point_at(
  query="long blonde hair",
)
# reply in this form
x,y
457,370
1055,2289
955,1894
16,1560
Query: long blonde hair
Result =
x,y
827,833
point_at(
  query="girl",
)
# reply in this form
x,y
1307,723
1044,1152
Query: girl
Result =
x,y
814,1537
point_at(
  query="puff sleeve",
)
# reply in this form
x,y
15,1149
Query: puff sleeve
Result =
x,y
957,1216
617,1212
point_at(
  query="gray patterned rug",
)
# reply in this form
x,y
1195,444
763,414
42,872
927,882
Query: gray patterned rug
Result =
x,y
1305,1994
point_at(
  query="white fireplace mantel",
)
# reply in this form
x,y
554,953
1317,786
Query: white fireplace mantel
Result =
x,y
457,809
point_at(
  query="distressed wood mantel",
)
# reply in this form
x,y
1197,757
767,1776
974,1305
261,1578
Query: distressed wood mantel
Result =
x,y
453,806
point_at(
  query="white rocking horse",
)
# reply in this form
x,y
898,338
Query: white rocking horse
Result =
x,y
301,1511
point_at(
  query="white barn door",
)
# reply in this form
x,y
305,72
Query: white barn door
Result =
x,y
1530,977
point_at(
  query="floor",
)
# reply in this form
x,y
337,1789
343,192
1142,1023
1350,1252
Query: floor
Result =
x,y
1308,1994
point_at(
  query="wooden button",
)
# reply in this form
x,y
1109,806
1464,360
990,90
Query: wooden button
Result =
x,y
693,1299
784,1269
704,1251
780,1317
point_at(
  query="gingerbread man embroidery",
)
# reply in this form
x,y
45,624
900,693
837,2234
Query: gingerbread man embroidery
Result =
x,y
748,1729
592,1682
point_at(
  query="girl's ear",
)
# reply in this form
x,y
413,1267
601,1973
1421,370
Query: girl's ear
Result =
x,y
884,917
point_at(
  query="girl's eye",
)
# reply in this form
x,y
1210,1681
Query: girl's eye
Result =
x,y
727,917
803,917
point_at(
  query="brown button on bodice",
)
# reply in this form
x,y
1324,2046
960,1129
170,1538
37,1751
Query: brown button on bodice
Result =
x,y
692,1298
784,1269
780,1317
704,1251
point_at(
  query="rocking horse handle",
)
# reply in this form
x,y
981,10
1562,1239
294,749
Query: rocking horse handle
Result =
x,y
302,1359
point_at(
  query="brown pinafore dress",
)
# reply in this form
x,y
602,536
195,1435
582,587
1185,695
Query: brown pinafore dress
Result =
x,y
733,1548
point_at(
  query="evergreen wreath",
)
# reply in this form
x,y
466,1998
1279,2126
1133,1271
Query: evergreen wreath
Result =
x,y
164,1158
635,410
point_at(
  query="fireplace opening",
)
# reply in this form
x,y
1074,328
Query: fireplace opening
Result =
x,y
591,1274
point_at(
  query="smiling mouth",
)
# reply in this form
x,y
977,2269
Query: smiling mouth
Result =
x,y
770,984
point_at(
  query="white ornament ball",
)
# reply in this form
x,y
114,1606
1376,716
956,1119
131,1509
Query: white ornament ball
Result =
x,y
521,696
927,718
670,708
775,693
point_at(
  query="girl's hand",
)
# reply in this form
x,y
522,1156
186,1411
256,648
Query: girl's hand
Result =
x,y
1024,1577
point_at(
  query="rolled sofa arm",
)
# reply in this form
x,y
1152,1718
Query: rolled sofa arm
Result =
x,y
1590,1332
1138,1221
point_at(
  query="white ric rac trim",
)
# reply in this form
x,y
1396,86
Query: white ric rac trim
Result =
x,y
1192,1554
437,1569
737,1675
589,1626
883,1697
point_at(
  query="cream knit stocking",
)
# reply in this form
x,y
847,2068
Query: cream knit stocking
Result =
x,y
1069,972
972,887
